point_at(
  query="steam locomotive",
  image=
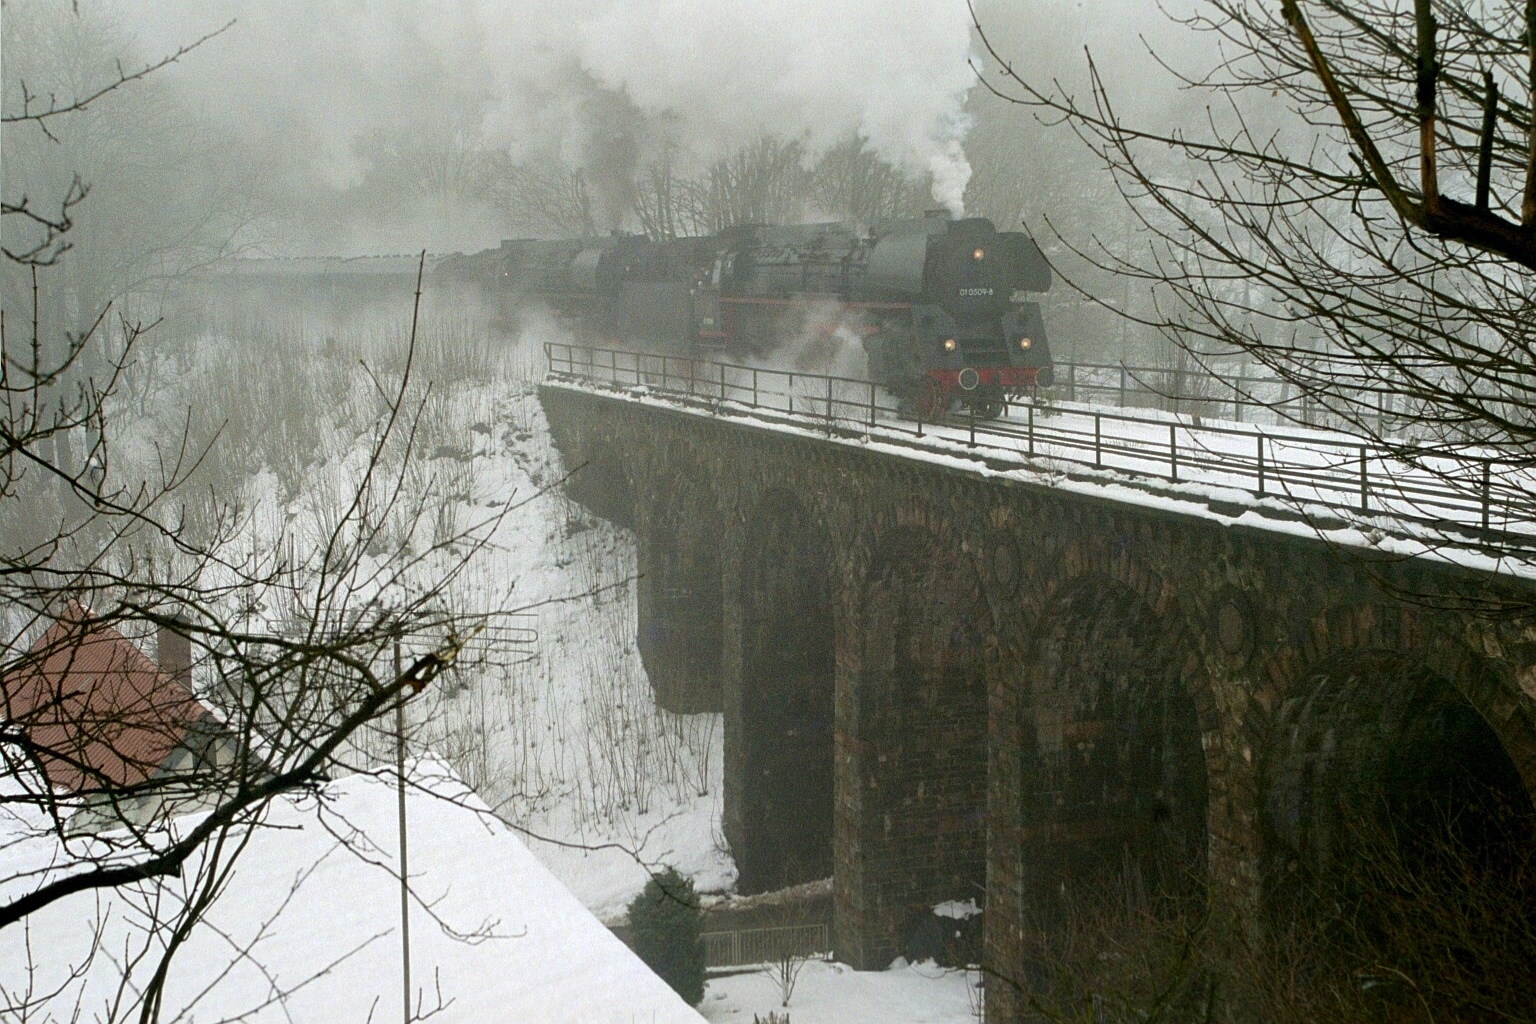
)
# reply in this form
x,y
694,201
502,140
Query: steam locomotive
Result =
x,y
938,303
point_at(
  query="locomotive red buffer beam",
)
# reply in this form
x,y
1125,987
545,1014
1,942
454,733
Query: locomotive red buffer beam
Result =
x,y
1009,379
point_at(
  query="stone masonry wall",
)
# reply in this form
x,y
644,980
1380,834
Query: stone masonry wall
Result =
x,y
981,743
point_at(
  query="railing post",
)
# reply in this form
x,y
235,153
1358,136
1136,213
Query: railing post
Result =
x,y
1098,445
829,406
790,390
1031,429
722,382
1122,385
1237,401
871,404
1365,494
755,402
1259,439
971,408
1173,449
1072,382
1487,475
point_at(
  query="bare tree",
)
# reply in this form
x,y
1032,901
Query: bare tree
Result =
x,y
80,114
851,182
763,182
287,637
551,197
663,201
1355,211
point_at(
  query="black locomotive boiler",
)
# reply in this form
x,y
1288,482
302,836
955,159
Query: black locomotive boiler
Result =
x,y
938,303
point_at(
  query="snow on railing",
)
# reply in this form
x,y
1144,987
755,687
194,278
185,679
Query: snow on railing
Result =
x,y
1469,489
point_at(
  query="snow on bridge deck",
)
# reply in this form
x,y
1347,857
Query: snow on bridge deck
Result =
x,y
1468,507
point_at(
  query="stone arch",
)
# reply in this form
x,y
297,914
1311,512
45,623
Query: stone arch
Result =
x,y
915,780
783,829
1383,736
679,590
1114,780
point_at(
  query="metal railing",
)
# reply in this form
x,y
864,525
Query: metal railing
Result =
x,y
1468,489
764,945
1239,397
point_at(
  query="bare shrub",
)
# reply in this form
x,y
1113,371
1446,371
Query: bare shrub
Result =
x,y
1427,929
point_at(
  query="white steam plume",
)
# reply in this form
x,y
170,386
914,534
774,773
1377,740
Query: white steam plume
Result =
x,y
599,83
894,71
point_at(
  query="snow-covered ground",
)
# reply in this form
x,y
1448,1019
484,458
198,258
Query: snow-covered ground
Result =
x,y
562,740
832,993
308,927
568,744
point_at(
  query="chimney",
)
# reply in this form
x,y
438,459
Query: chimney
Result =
x,y
174,650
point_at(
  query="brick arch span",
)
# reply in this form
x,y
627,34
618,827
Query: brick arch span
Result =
x,y
1385,735
781,828
1114,777
916,724
679,587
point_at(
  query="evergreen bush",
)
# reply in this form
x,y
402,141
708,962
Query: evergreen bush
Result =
x,y
664,926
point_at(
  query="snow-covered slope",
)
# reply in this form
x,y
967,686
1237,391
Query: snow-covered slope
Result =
x,y
562,740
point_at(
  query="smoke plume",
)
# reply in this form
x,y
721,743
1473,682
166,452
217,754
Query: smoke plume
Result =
x,y
603,85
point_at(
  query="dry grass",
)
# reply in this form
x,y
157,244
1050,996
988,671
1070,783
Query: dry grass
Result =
x,y
1446,936
281,400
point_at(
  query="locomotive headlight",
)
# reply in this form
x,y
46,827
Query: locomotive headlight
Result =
x,y
978,253
1024,344
949,344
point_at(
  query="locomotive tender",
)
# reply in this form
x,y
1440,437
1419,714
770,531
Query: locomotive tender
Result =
x,y
937,302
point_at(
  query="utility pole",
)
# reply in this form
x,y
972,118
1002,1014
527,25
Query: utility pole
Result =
x,y
405,886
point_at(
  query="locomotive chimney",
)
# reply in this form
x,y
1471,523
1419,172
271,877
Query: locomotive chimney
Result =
x,y
174,652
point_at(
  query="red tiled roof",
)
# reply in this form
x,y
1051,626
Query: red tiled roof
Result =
x,y
100,713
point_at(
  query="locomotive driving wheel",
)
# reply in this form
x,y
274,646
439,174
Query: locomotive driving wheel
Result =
x,y
989,402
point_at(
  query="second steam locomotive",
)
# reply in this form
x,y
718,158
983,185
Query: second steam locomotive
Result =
x,y
938,303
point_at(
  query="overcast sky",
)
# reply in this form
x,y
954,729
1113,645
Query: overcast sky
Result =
x,y
706,75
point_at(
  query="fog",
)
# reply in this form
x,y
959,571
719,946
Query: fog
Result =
x,y
914,596
600,86
360,128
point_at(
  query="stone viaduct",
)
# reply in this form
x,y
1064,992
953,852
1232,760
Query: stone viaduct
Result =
x,y
941,681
